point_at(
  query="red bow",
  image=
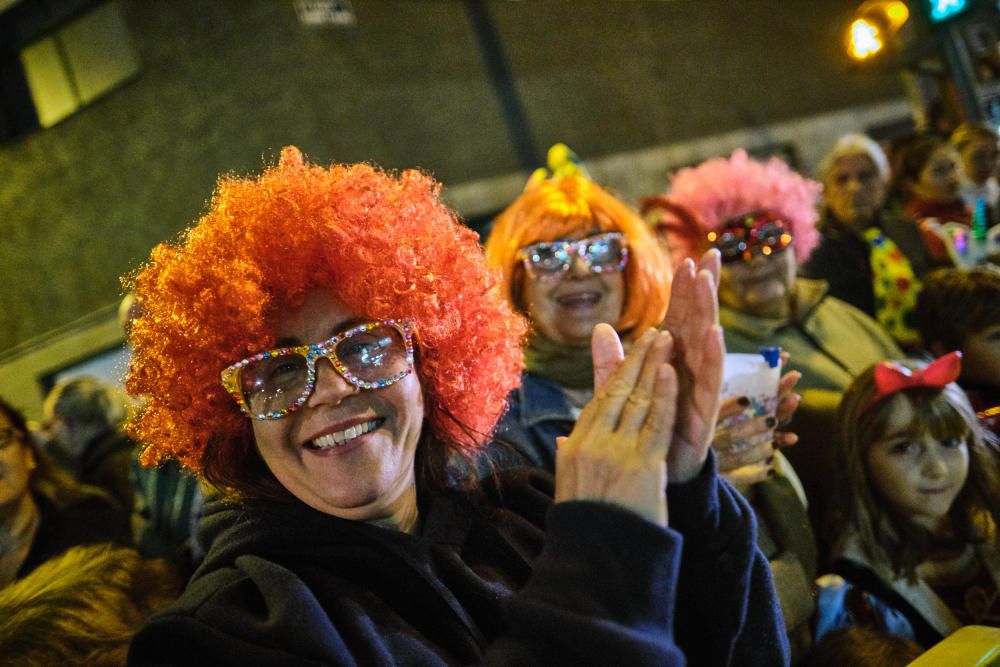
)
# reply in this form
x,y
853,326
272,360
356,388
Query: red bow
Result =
x,y
891,378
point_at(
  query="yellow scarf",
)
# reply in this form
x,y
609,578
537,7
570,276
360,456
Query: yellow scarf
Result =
x,y
895,286
571,367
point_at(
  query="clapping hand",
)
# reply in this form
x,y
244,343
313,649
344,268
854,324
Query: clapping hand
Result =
x,y
617,451
693,320
654,411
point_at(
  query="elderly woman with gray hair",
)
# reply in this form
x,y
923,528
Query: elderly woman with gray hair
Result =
x,y
871,257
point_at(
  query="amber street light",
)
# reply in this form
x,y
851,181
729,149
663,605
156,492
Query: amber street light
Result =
x,y
877,21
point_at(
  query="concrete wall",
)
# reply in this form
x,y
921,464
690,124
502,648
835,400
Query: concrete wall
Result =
x,y
23,370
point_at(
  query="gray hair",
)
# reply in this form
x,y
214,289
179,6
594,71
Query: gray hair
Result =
x,y
855,143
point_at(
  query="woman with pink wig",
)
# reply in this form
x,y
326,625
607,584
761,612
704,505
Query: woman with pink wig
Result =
x,y
761,217
327,348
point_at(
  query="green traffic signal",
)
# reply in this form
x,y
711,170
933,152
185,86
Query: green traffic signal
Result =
x,y
939,11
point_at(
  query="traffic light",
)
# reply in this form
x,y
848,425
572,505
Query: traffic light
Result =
x,y
939,11
874,27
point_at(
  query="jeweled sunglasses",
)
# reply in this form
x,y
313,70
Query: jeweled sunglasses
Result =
x,y
551,259
743,236
272,384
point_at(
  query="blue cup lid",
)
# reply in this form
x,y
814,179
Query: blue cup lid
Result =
x,y
772,355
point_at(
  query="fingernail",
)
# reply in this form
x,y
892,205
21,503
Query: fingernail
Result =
x,y
744,401
771,422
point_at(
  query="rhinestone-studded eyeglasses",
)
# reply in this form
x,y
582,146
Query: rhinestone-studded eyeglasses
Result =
x,y
272,384
756,233
601,252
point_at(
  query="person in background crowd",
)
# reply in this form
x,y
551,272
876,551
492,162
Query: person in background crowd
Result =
x,y
573,256
43,510
960,310
927,179
926,187
870,257
917,498
761,217
978,146
84,417
327,347
82,608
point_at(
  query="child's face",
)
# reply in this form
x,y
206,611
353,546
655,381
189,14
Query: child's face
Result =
x,y
917,474
941,176
981,356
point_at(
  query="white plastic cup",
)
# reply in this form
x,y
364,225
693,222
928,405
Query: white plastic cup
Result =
x,y
755,376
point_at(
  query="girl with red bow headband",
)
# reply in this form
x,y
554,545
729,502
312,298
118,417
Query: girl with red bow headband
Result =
x,y
917,498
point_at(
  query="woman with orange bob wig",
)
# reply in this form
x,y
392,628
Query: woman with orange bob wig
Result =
x,y
572,256
326,346
572,207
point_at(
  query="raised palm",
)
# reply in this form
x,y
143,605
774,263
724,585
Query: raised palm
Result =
x,y
698,352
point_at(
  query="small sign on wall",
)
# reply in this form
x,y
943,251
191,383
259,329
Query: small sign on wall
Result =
x,y
326,13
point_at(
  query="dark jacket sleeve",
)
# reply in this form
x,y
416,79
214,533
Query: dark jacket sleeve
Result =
x,y
602,592
727,608
245,622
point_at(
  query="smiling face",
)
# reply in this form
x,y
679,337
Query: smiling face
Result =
x,y
916,473
566,308
763,287
347,452
854,191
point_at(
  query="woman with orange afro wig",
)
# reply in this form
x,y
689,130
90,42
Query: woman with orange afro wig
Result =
x,y
393,251
328,348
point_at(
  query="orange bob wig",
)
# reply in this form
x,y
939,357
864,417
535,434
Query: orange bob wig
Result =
x,y
572,207
383,243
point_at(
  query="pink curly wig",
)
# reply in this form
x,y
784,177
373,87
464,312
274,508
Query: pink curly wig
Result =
x,y
719,189
570,207
385,244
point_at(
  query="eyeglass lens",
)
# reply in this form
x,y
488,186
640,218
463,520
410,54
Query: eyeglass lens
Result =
x,y
734,244
599,252
275,383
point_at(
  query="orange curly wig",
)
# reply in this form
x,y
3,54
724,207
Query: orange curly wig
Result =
x,y
570,207
389,249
